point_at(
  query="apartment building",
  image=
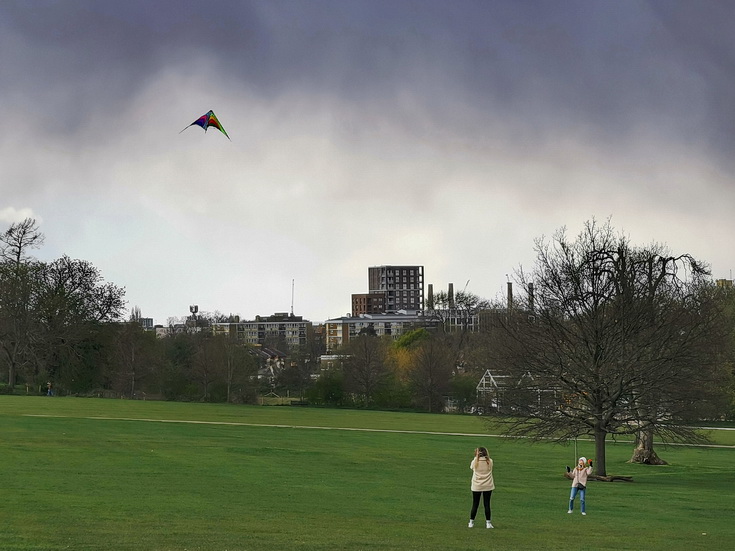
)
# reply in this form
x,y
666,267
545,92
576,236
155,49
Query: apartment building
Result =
x,y
402,286
278,329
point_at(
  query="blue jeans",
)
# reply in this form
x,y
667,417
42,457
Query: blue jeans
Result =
x,y
574,493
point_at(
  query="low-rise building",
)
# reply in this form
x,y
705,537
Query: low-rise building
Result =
x,y
368,303
339,331
278,329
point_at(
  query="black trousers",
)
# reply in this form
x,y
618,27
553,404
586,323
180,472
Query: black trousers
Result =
x,y
485,501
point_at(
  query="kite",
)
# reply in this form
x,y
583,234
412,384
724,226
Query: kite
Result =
x,y
207,120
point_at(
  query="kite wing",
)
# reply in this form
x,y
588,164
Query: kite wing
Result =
x,y
207,120
212,120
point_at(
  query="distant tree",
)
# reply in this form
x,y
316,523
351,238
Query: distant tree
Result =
x,y
207,319
218,366
206,364
464,390
85,364
50,312
71,298
394,392
136,356
328,389
74,290
365,367
457,316
680,379
17,317
430,373
18,289
174,381
728,357
135,314
240,369
410,338
456,311
295,376
18,239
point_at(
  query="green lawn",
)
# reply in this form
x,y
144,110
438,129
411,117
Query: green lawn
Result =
x,y
76,476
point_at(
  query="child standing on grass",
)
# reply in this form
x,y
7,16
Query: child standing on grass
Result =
x,y
579,483
482,485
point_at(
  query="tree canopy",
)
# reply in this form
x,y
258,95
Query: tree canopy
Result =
x,y
621,340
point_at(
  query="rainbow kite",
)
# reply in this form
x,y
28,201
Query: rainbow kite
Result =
x,y
205,121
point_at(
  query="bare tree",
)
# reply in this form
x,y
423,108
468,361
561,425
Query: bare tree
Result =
x,y
18,239
239,368
296,376
431,372
18,319
616,335
135,314
206,363
75,290
18,275
683,373
365,368
135,352
457,316
71,297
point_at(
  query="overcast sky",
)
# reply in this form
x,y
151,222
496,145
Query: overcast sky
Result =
x,y
448,134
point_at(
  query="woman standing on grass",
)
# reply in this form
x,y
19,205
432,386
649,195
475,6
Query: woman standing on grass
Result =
x,y
482,484
579,483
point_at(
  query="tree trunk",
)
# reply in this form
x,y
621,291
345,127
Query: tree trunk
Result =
x,y
132,369
644,452
11,354
11,374
599,460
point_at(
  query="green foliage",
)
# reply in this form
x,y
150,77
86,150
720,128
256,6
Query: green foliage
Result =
x,y
464,391
393,394
218,392
411,338
431,374
328,390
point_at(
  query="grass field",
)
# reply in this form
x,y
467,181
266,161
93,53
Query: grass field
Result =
x,y
87,474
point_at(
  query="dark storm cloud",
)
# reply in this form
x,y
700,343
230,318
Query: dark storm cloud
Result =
x,y
593,68
77,55
701,39
604,70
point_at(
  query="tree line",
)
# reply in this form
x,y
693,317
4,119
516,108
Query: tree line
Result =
x,y
61,323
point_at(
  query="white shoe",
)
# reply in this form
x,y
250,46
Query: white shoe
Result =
x,y
471,524
584,513
489,524
569,512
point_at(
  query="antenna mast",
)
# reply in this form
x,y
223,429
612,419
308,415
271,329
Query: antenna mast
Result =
x,y
292,283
